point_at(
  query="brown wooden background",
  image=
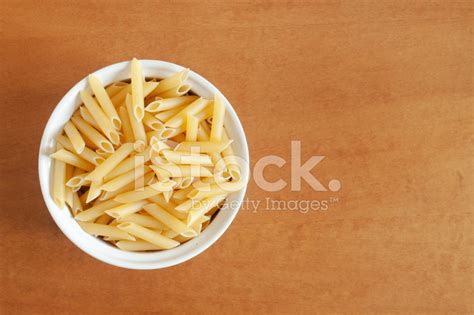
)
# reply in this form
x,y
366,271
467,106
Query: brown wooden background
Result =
x,y
383,89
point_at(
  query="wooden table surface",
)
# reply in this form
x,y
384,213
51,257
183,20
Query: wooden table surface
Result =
x,y
382,89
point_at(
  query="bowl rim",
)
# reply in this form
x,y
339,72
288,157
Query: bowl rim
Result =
x,y
140,260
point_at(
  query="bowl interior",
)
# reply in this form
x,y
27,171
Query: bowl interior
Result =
x,y
100,249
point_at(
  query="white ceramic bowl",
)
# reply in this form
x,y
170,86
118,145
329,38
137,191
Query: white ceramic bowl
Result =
x,y
96,247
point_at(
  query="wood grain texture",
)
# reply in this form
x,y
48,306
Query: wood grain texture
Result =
x,y
383,89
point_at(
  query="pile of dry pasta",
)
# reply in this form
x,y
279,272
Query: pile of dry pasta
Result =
x,y
144,165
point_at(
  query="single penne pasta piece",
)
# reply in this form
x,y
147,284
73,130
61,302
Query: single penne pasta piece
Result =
x,y
114,88
179,157
147,192
166,115
173,170
103,219
168,206
180,90
76,203
104,101
123,179
216,189
94,191
96,211
75,137
152,122
203,146
148,235
72,159
204,206
137,246
59,178
84,113
139,183
126,209
87,154
100,118
111,162
230,159
166,218
179,119
93,135
192,124
129,164
171,82
137,125
162,105
127,131
144,220
105,230
138,105
217,119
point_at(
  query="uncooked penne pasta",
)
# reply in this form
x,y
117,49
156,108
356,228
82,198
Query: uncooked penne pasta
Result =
x,y
138,105
137,246
72,159
180,90
98,139
87,154
130,163
166,115
166,218
127,131
96,211
104,101
191,109
217,119
105,230
170,82
152,122
137,125
179,157
140,165
162,105
203,207
75,137
204,146
111,162
144,220
192,124
147,192
173,170
100,117
148,235
126,209
59,177
84,113
115,88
